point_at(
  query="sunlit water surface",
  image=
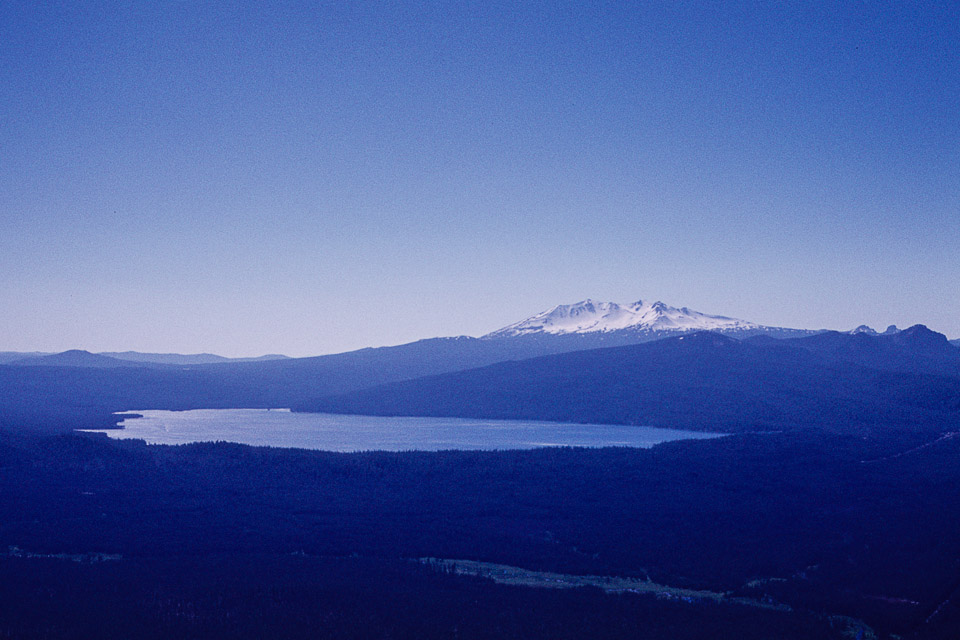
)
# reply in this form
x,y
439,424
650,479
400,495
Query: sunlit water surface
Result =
x,y
334,432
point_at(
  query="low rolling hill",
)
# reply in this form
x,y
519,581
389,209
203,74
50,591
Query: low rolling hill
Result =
x,y
702,381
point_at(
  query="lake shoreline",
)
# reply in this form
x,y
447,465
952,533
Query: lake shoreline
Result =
x,y
281,427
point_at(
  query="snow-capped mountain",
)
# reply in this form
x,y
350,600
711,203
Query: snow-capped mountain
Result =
x,y
589,316
870,331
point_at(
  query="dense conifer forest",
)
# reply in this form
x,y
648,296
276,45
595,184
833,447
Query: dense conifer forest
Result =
x,y
823,525
833,509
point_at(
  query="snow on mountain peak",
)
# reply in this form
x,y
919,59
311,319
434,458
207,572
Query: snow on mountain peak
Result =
x,y
870,331
892,329
590,316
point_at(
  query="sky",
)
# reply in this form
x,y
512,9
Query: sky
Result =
x,y
313,177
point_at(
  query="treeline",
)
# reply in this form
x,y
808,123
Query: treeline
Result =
x,y
46,398
702,381
844,525
293,596
706,381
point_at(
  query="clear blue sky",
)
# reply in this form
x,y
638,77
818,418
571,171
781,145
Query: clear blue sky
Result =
x,y
314,177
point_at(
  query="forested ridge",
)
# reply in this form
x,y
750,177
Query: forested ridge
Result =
x,y
827,525
836,501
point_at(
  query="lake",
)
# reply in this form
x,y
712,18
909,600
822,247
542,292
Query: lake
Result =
x,y
347,433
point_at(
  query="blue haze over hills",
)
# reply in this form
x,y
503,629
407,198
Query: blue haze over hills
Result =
x,y
185,179
737,376
77,357
319,177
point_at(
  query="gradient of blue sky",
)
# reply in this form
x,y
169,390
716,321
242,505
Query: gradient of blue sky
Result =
x,y
305,177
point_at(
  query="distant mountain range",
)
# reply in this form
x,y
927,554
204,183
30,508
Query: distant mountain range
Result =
x,y
78,388
185,359
13,356
73,358
587,324
80,358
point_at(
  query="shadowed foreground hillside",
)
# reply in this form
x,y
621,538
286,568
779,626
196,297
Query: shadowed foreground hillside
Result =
x,y
823,525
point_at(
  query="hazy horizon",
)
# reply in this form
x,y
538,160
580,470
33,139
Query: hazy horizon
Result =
x,y
878,328
307,179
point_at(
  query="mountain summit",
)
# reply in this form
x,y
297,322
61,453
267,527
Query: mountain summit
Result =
x,y
590,316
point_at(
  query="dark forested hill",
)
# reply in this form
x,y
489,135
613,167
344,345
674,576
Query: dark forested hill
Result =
x,y
917,350
700,381
201,535
704,381
79,389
